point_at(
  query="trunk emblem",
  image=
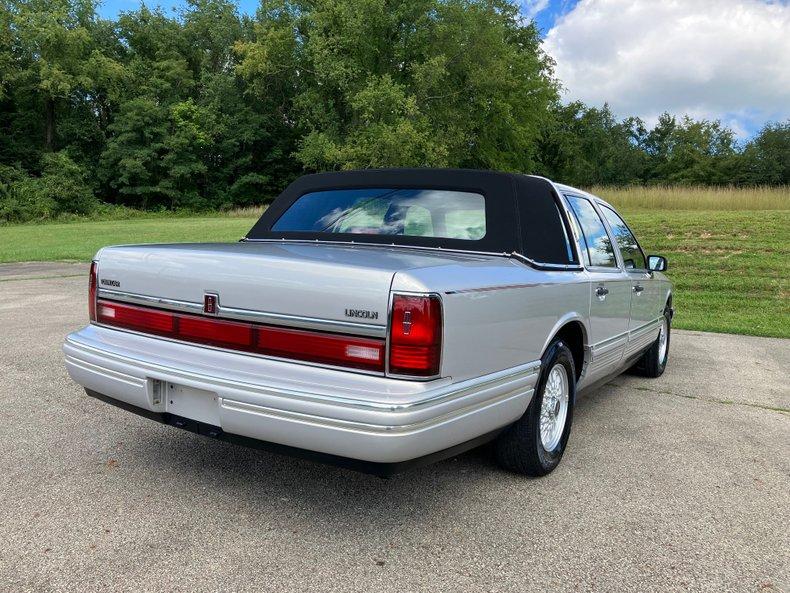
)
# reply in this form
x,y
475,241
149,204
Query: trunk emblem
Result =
x,y
361,313
210,304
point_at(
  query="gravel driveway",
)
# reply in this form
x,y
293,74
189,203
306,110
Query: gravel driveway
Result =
x,y
679,483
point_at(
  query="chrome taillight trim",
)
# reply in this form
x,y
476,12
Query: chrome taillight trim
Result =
x,y
264,317
93,291
320,365
393,294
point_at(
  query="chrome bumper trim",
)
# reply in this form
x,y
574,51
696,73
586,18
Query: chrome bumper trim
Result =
x,y
366,427
431,397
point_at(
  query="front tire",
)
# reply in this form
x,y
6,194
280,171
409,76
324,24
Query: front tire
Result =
x,y
534,444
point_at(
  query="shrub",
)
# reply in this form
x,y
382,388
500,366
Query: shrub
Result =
x,y
60,189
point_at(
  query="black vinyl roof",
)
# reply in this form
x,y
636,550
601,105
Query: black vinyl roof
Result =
x,y
521,211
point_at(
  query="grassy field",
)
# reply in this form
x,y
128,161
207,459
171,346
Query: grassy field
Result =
x,y
81,240
655,198
730,269
729,263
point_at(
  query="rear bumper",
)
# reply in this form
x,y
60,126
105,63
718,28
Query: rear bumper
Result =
x,y
369,467
296,408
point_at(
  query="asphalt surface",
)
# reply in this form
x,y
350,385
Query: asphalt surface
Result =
x,y
675,484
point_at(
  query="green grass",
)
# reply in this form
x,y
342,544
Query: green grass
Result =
x,y
730,268
81,240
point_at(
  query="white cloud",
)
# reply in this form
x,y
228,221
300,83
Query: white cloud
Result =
x,y
727,59
531,8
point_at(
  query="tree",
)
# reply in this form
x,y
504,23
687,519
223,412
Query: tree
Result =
x,y
587,146
698,152
131,164
7,61
249,158
212,109
767,156
55,39
422,83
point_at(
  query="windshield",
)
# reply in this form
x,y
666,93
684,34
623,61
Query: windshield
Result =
x,y
387,211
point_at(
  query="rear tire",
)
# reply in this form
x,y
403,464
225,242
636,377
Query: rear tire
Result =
x,y
523,447
654,361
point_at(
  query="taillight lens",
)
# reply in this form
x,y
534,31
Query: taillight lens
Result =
x,y
415,335
151,321
226,334
92,292
335,349
361,353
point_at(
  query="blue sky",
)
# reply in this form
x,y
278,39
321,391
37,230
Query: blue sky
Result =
x,y
546,12
545,17
713,59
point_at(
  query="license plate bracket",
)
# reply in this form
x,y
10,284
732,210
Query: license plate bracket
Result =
x,y
192,403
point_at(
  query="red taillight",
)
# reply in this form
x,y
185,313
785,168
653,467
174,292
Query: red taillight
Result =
x,y
92,292
362,353
139,318
334,349
227,334
415,335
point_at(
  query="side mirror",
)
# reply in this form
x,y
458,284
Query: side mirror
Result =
x,y
657,263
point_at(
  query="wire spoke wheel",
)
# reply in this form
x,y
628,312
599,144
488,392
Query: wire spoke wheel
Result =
x,y
554,407
663,342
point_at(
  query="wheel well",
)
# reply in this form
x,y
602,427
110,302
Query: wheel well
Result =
x,y
573,335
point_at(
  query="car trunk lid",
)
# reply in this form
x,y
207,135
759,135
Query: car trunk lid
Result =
x,y
341,288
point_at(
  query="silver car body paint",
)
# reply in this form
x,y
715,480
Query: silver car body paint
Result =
x,y
500,314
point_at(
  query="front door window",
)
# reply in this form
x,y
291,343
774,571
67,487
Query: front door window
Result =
x,y
633,258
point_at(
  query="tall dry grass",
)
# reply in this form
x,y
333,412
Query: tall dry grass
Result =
x,y
245,212
695,198
657,197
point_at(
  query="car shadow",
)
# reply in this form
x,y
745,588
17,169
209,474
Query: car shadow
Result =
x,y
270,484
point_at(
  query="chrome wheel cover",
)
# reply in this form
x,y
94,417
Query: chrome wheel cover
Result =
x,y
554,407
663,341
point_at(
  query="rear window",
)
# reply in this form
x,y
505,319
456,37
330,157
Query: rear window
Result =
x,y
386,211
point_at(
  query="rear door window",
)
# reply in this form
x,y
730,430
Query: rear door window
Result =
x,y
600,252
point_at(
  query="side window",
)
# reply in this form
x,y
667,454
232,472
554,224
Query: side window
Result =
x,y
578,236
633,258
599,247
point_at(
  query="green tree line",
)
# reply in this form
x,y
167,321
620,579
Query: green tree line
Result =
x,y
212,109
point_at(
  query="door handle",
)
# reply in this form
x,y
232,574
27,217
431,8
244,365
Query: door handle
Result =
x,y
638,288
601,292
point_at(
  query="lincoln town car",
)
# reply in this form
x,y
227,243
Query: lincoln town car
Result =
x,y
380,319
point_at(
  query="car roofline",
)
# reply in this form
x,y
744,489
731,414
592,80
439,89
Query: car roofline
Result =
x,y
575,190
